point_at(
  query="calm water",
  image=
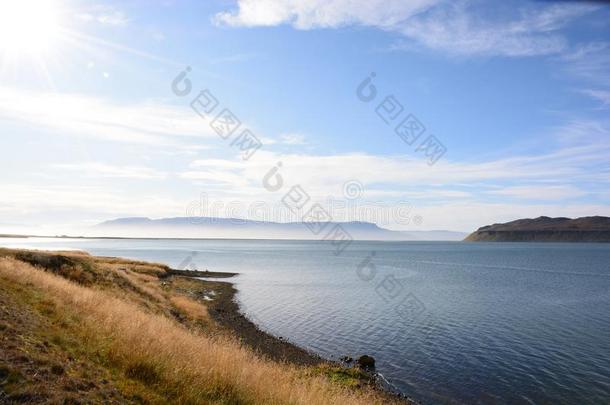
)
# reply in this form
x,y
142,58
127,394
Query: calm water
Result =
x,y
447,322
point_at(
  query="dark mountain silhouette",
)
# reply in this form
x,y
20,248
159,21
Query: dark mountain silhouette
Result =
x,y
546,229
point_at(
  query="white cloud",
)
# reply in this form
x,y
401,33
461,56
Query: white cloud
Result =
x,y
457,30
78,115
584,132
590,61
324,175
453,27
449,195
26,200
540,192
322,13
470,215
293,139
95,169
601,95
211,177
103,14
113,18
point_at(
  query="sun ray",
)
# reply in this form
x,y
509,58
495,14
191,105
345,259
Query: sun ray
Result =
x,y
83,38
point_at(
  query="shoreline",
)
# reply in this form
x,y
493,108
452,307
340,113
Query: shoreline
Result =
x,y
180,295
226,311
96,329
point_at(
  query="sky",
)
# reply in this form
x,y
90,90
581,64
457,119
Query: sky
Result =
x,y
507,106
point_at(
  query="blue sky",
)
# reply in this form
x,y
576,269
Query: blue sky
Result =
x,y
517,92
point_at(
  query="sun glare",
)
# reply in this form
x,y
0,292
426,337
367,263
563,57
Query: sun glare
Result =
x,y
28,27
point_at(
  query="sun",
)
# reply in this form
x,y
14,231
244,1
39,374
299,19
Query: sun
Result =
x,y
28,27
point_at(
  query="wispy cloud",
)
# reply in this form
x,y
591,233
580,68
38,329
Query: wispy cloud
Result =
x,y
587,133
310,14
114,18
601,95
452,27
450,195
324,175
458,29
26,201
151,123
540,192
469,215
293,139
591,63
104,14
95,169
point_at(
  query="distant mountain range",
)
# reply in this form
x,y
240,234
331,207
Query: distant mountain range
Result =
x,y
546,229
232,228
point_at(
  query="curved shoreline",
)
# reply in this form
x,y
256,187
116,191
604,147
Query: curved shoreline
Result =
x,y
156,285
148,335
225,310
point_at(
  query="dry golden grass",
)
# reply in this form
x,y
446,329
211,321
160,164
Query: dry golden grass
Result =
x,y
142,268
178,364
191,308
143,283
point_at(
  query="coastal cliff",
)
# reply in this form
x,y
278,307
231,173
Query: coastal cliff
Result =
x,y
546,229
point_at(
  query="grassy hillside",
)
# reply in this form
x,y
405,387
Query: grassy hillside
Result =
x,y
81,329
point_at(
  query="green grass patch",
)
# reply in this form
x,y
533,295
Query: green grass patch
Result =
x,y
346,377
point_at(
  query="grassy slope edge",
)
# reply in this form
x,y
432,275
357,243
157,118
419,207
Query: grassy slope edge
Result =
x,y
76,328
